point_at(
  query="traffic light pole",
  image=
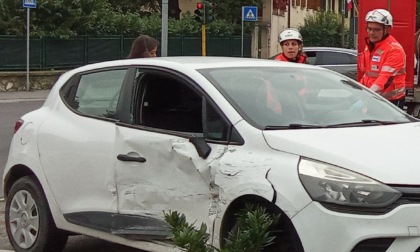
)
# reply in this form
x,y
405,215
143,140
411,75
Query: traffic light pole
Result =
x,y
28,34
164,35
204,14
203,40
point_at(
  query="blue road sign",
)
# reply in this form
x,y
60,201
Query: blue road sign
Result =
x,y
29,3
249,13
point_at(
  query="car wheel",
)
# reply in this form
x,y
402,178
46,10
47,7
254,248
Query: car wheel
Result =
x,y
286,239
29,223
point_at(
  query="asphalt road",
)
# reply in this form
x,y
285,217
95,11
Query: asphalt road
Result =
x,y
10,111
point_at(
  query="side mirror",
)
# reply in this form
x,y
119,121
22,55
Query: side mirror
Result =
x,y
199,142
201,146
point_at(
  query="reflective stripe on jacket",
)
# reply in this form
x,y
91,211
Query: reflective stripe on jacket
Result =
x,y
299,59
384,68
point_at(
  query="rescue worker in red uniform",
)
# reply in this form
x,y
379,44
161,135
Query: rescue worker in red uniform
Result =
x,y
383,61
291,43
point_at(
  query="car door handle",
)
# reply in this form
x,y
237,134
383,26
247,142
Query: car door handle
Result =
x,y
126,158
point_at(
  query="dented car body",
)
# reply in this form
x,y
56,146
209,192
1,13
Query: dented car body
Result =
x,y
117,144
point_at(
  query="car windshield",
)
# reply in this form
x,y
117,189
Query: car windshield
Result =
x,y
289,97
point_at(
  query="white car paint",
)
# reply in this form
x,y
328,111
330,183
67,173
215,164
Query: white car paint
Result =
x,y
366,150
177,178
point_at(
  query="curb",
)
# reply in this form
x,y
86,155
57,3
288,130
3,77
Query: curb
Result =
x,y
3,250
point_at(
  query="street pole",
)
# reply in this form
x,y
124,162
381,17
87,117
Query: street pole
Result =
x,y
164,36
343,12
203,40
242,35
288,12
27,49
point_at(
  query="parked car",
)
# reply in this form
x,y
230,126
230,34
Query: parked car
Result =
x,y
117,144
341,60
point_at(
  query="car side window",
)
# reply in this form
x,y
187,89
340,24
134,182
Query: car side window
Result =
x,y
353,58
311,57
97,93
173,104
333,58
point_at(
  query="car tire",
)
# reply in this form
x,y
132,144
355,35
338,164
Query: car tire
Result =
x,y
286,239
29,223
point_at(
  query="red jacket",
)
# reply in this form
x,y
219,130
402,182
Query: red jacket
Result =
x,y
299,59
383,67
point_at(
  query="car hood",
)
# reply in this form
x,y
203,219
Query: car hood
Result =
x,y
386,153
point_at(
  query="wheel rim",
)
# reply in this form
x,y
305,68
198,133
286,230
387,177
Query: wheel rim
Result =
x,y
24,219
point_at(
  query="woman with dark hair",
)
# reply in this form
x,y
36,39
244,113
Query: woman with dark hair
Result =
x,y
143,46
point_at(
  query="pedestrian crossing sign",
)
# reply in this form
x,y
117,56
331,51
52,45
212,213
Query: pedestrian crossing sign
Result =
x,y
249,13
29,3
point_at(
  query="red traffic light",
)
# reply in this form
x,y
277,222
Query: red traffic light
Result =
x,y
200,6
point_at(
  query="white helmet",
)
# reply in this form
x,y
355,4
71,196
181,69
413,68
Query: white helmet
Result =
x,y
379,16
290,33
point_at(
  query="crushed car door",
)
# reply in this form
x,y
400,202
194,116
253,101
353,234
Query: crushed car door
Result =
x,y
163,163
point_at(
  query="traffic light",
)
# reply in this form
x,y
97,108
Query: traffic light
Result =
x,y
199,13
210,15
204,12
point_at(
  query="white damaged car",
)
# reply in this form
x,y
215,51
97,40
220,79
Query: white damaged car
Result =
x,y
116,144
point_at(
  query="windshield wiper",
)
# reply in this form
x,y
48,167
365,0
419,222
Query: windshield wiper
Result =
x,y
294,126
365,122
381,122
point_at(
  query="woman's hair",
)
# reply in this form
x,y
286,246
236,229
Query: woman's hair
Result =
x,y
141,47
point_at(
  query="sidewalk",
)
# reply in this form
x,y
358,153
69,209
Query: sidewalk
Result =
x,y
24,95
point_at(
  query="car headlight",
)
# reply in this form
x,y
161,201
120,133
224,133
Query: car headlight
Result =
x,y
327,183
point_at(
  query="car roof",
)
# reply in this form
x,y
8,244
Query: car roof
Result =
x,y
191,62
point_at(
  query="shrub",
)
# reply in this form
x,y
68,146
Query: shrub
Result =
x,y
252,232
186,26
324,29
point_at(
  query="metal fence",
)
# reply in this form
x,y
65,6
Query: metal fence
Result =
x,y
54,53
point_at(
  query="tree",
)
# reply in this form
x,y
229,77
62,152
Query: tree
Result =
x,y
59,17
73,17
323,29
11,18
143,7
146,7
231,10
64,18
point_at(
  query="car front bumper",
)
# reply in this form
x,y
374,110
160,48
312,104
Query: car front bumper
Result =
x,y
323,230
